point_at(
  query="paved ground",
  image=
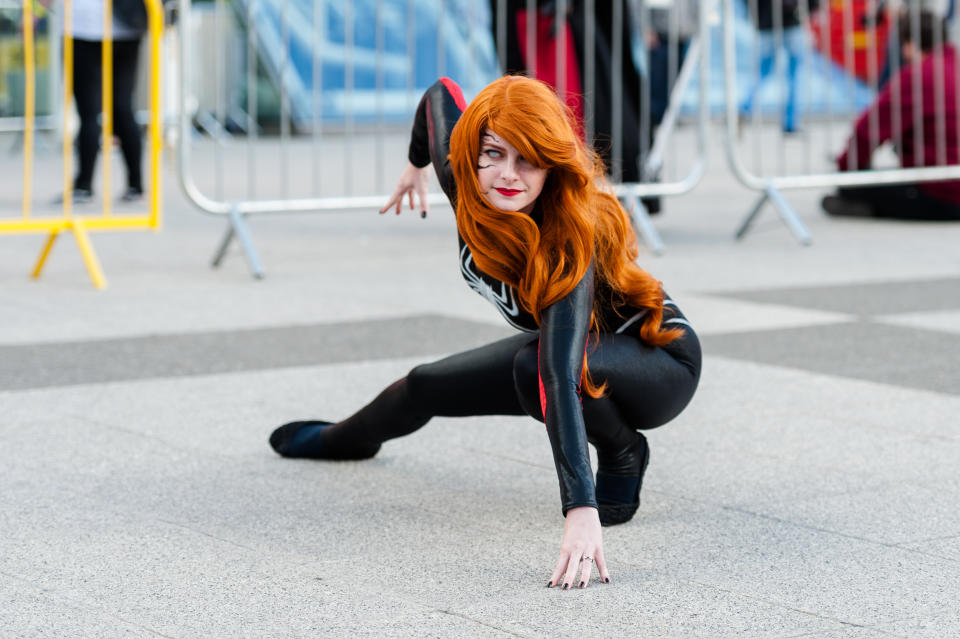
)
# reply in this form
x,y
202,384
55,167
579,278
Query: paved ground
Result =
x,y
809,490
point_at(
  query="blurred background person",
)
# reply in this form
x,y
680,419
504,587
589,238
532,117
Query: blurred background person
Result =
x,y
794,44
633,138
128,27
938,83
892,11
940,8
671,22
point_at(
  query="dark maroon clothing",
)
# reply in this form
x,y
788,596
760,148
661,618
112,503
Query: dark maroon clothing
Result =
x,y
936,63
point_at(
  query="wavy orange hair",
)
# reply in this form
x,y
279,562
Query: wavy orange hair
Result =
x,y
582,220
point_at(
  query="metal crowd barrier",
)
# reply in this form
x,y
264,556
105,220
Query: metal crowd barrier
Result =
x,y
305,105
834,83
80,225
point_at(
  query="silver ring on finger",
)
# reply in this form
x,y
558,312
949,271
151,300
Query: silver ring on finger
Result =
x,y
587,558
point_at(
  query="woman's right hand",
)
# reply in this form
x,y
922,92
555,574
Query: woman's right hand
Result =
x,y
412,180
582,545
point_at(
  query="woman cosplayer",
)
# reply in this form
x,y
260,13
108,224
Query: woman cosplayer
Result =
x,y
544,240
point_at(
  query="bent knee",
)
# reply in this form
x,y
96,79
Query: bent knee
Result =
x,y
526,379
418,382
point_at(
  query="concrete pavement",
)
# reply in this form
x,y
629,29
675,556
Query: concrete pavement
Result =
x,y
810,489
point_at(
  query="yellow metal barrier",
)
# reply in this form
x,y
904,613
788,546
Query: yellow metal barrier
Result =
x,y
29,103
79,226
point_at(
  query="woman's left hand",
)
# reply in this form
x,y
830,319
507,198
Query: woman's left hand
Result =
x,y
412,181
582,542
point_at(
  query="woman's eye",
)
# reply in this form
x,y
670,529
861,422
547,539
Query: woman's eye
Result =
x,y
493,154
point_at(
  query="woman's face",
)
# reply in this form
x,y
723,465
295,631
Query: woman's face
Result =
x,y
507,180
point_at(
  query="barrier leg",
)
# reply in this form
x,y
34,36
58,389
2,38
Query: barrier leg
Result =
x,y
752,215
224,245
44,254
784,210
238,228
89,257
643,226
789,216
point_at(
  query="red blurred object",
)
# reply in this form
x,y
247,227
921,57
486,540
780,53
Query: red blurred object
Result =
x,y
845,19
546,54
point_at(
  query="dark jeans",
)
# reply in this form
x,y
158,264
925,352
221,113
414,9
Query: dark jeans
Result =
x,y
660,74
902,201
87,91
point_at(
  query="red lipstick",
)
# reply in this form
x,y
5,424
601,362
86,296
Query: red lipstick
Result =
x,y
508,192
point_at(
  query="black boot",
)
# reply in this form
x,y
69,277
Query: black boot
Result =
x,y
316,440
619,479
390,415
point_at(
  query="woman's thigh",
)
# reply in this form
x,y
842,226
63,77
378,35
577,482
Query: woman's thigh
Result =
x,y
474,382
649,385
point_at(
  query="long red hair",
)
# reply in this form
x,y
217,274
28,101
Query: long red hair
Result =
x,y
582,220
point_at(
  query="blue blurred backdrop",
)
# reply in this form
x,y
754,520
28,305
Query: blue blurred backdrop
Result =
x,y
402,46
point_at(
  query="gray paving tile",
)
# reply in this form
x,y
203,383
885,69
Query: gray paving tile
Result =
x,y
850,632
735,479
208,413
138,571
31,611
157,501
781,435
865,298
946,321
945,624
947,548
899,513
631,606
775,393
205,517
477,583
711,314
871,454
867,351
835,577
40,365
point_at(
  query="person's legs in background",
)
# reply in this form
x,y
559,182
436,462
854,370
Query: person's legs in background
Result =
x,y
661,74
86,91
623,147
766,56
659,57
795,42
125,56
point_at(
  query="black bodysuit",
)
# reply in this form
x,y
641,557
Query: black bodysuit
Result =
x,y
564,326
535,373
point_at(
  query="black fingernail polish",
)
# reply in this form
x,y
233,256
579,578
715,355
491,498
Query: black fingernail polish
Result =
x,y
581,584
607,580
549,584
423,214
565,586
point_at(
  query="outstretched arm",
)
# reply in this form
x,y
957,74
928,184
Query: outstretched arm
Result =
x,y
564,328
437,113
